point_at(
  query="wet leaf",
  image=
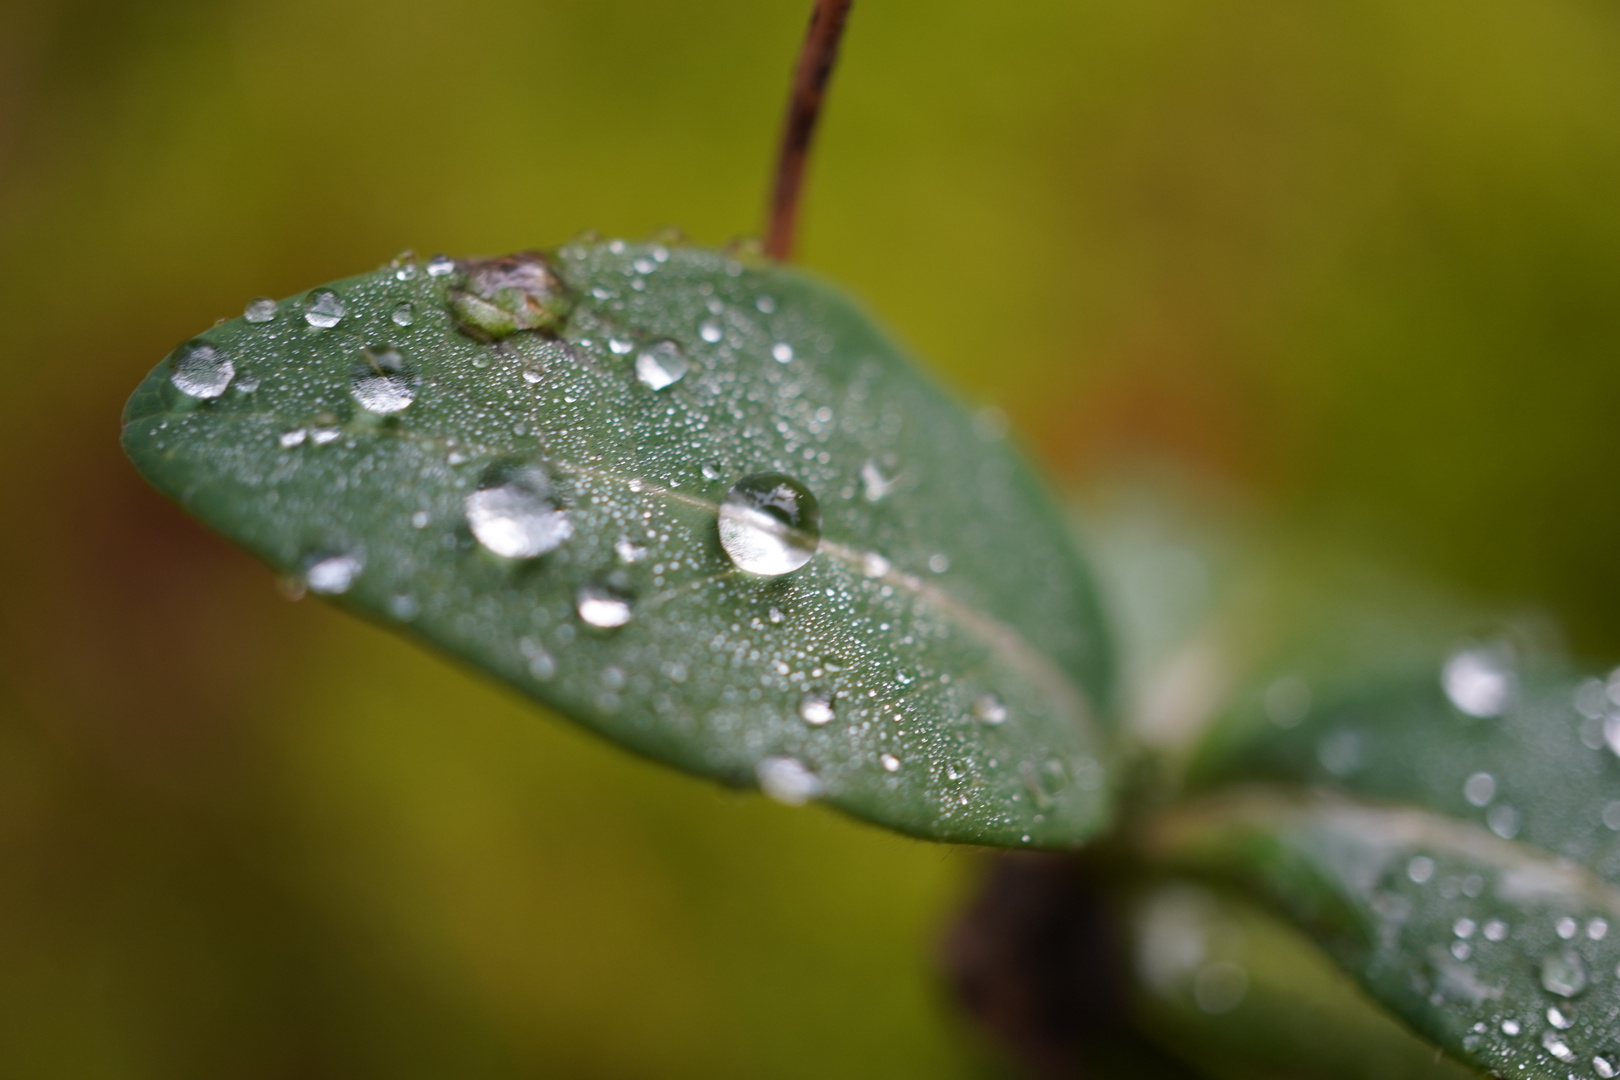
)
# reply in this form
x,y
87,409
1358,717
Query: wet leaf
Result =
x,y
704,508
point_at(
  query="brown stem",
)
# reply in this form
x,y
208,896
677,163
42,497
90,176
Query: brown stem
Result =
x,y
816,60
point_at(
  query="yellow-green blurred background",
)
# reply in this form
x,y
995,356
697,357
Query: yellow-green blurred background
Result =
x,y
1354,262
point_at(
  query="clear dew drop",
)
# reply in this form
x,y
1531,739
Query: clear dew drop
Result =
x,y
1480,789
815,708
1510,1027
1464,928
1479,681
333,574
1603,1067
770,524
324,308
989,709
661,365
1503,820
1563,973
404,607
939,562
787,780
441,266
1556,1046
713,470
1566,928
1597,929
874,485
1496,930
1420,869
889,762
540,663
620,346
782,352
628,550
383,382
515,515
601,607
260,309
710,331
403,314
199,370
1558,1019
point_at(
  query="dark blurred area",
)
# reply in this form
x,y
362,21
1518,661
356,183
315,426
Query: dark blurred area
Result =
x,y
1353,263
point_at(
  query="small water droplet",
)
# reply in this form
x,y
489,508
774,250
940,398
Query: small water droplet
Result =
x,y
1603,1067
1480,789
1556,1046
1591,701
420,519
874,565
1566,928
325,435
890,762
407,272
1496,930
383,382
324,308
1597,929
1420,869
815,708
988,709
874,485
782,352
261,309
628,550
786,780
939,562
403,314
766,305
710,331
1288,700
290,439
540,662
1503,820
1463,928
1479,681
602,607
770,524
332,574
199,370
1556,1017
1563,973
1510,1027
515,515
661,365
404,607
1461,950
441,266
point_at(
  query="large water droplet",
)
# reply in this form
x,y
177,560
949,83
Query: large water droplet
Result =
x,y
1563,973
261,309
514,513
602,607
383,382
782,352
1556,1046
403,314
1603,1067
199,370
1479,681
660,365
332,574
324,308
815,708
770,524
786,780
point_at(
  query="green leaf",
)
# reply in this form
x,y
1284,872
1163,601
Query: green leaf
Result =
x,y
1458,854
522,461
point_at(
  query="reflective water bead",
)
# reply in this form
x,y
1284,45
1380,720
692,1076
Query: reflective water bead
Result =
x,y
333,574
1480,789
661,365
1510,1027
1557,1018
770,524
786,780
515,514
890,762
290,439
324,308
383,382
1463,928
1420,869
939,563
628,550
620,346
815,708
261,309
874,485
602,607
403,314
1556,1046
1496,930
197,369
1563,973
441,266
782,352
1503,820
1597,929
988,709
1565,928
710,331
1603,1067
765,304
1478,681
874,565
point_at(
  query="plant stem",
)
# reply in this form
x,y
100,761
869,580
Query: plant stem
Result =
x,y
816,60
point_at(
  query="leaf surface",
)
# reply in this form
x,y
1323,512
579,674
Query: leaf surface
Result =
x,y
533,462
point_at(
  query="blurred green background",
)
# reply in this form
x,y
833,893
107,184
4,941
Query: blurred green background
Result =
x,y
1355,263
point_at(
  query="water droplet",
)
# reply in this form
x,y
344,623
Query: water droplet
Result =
x,y
1288,700
383,382
1556,1017
988,709
420,519
324,308
404,607
1461,950
290,439
541,665
766,305
660,365
1503,820
786,780
1220,987
815,708
1496,930
939,563
1479,681
710,331
782,352
1566,928
199,370
1597,929
712,470
628,550
1563,973
874,485
1463,928
1510,1027
1590,699
261,309
323,436
890,762
620,346
770,524
403,315
1420,869
602,607
515,515
332,574
441,266
1340,752
1603,1067
874,565
1556,1046
1480,789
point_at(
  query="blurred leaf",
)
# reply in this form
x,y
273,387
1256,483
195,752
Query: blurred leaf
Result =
x,y
921,649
